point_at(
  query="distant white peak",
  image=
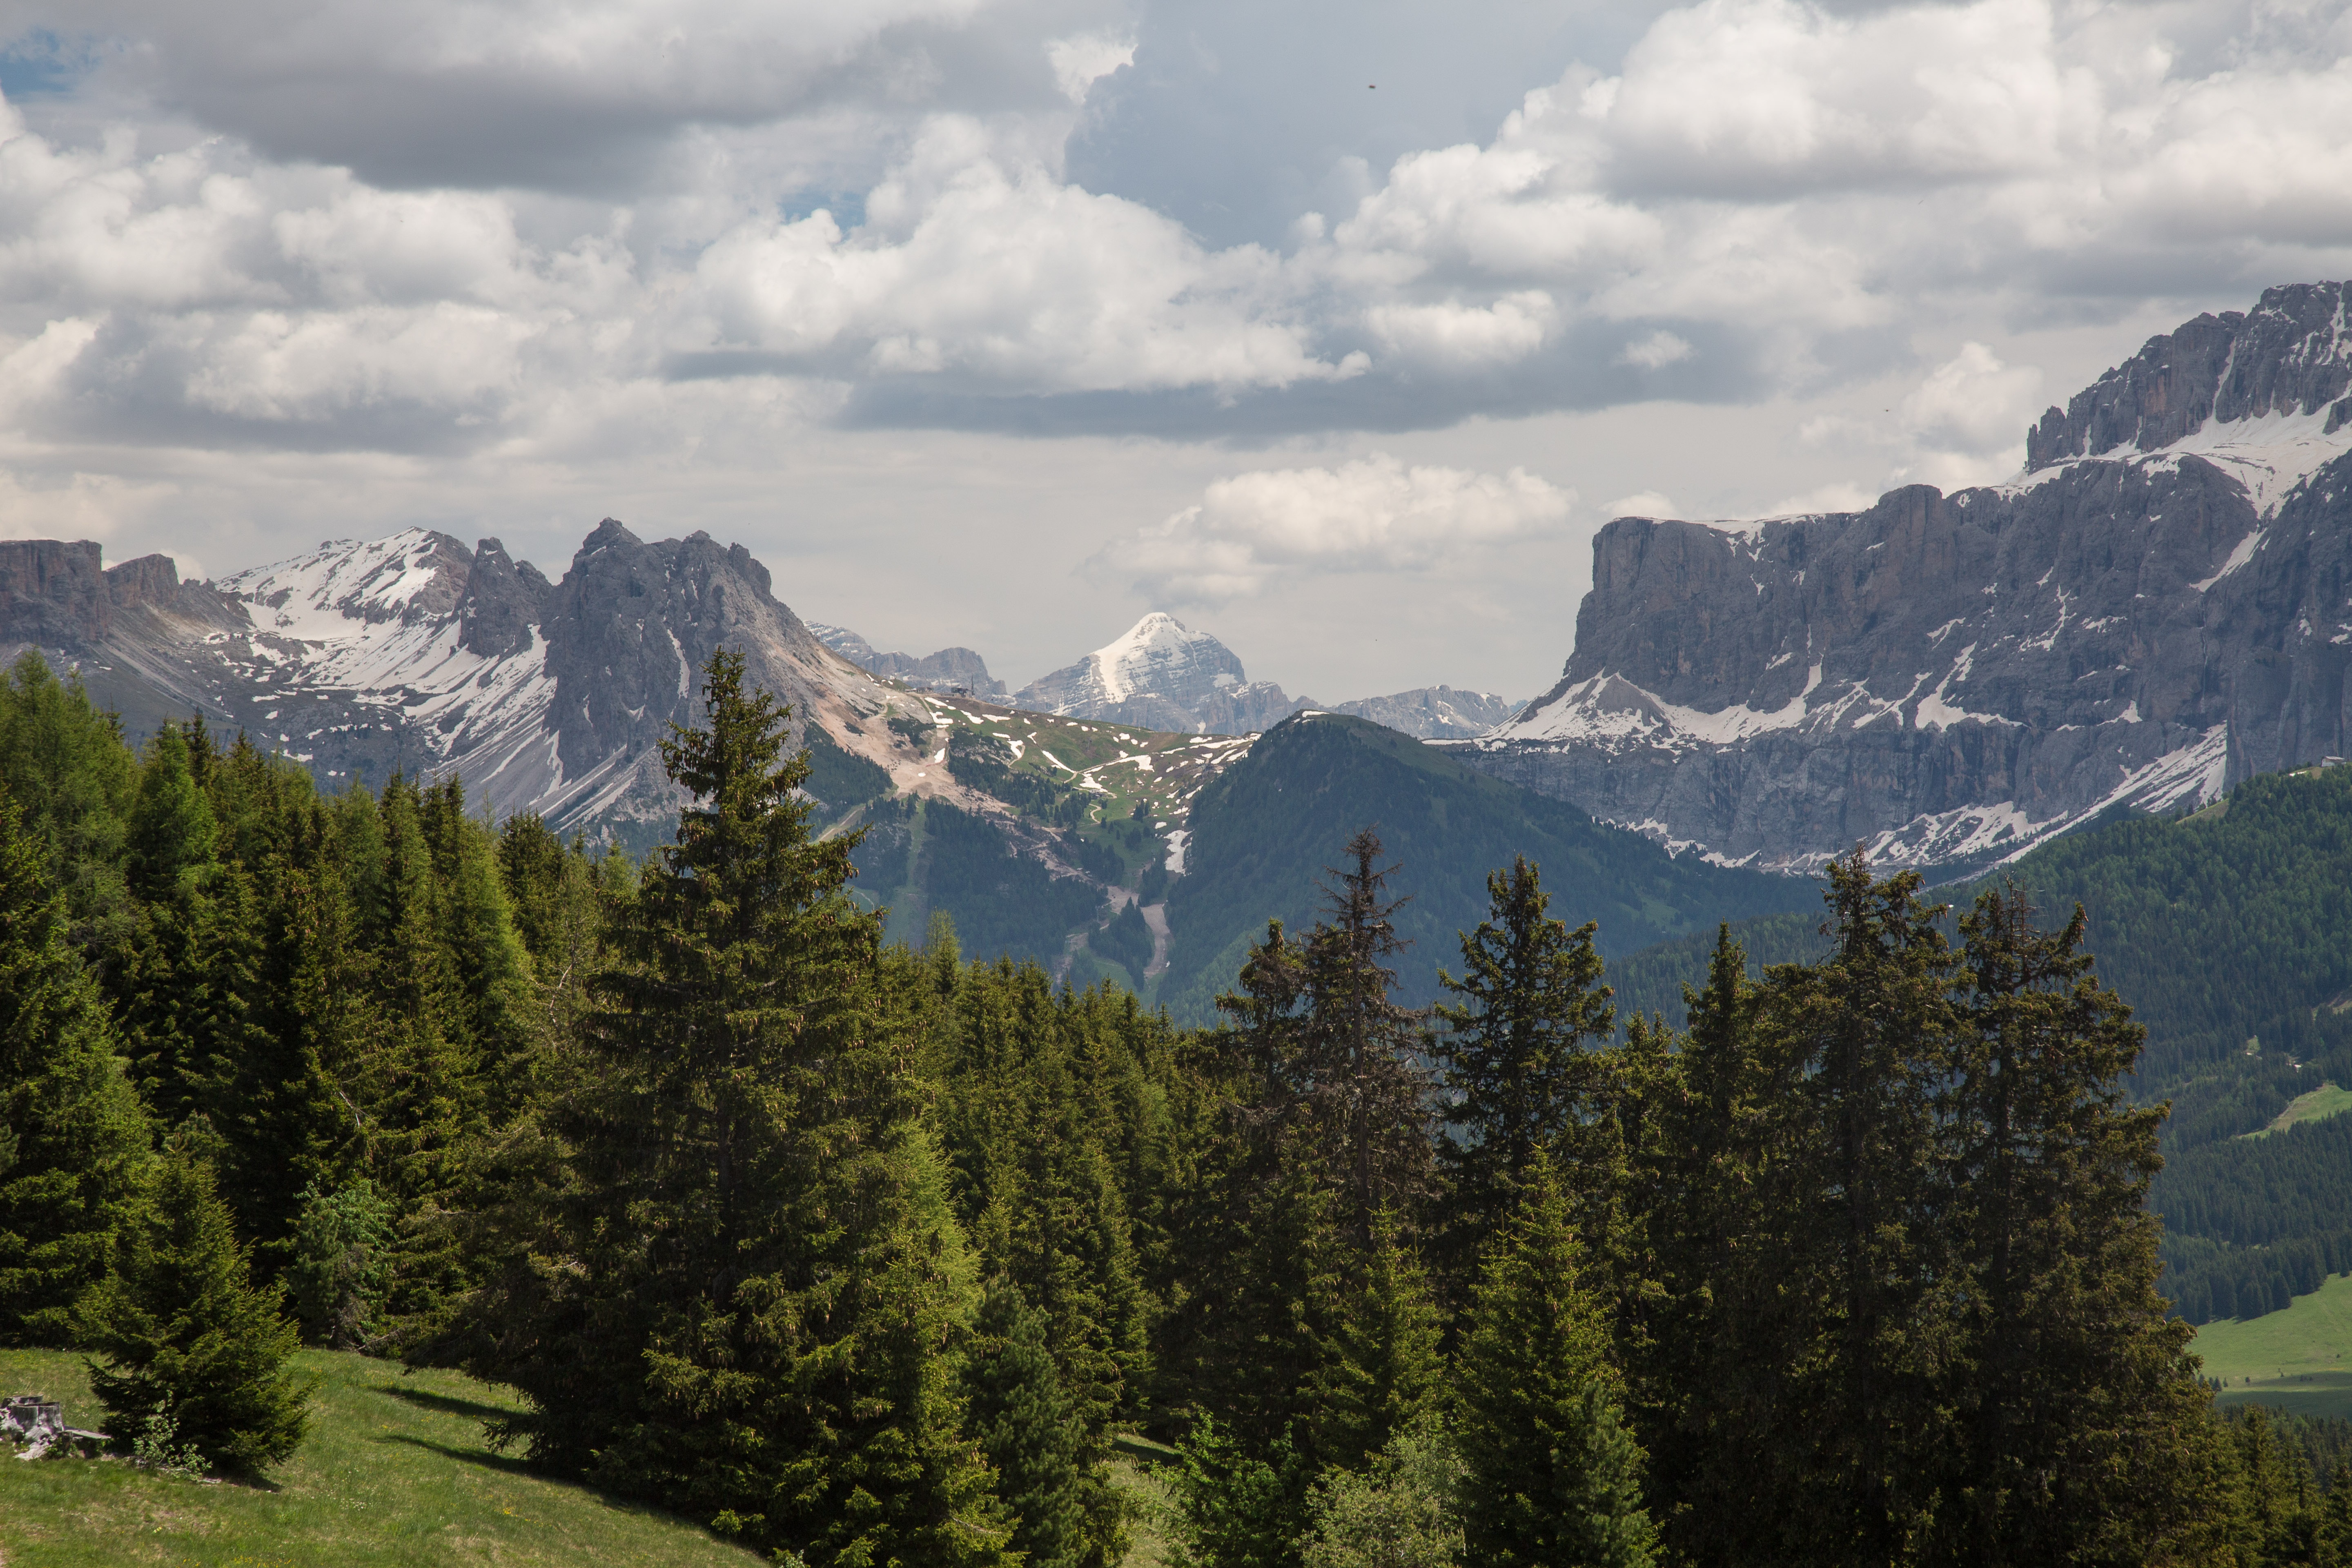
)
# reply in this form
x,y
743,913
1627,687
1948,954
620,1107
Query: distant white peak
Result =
x,y
1158,638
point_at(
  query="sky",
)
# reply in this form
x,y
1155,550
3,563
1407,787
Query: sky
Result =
x,y
1333,329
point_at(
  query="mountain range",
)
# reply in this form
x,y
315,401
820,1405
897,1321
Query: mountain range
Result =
x,y
2160,607
1163,675
2154,610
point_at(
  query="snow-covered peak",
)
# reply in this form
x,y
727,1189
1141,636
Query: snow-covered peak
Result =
x,y
1158,658
1153,646
346,585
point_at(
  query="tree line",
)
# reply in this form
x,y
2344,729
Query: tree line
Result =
x,y
862,1253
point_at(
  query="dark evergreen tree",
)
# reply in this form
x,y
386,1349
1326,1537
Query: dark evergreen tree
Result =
x,y
1516,1050
183,1334
1382,1371
2073,1387
77,1137
746,1300
160,983
1851,1189
1361,1082
1550,1477
1025,1426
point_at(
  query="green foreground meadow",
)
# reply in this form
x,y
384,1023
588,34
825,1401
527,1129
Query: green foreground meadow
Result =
x,y
394,1473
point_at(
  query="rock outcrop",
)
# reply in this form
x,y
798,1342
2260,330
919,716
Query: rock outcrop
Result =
x,y
2157,608
954,670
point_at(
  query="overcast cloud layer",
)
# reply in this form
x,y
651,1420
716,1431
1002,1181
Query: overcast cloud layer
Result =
x,y
997,324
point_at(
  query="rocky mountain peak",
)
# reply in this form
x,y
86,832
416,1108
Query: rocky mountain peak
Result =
x,y
2290,356
1156,661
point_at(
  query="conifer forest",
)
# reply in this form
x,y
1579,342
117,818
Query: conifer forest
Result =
x,y
860,1253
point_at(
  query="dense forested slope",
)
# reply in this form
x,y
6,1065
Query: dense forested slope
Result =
x,y
2230,931
1264,831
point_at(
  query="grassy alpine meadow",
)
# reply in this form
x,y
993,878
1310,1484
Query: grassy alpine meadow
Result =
x,y
394,1472
2299,1360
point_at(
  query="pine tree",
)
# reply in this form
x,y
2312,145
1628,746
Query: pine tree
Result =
x,y
1360,1079
169,842
1025,1425
746,1299
184,1336
1382,1374
63,760
1859,1043
1516,1049
2071,1383
160,984
77,1138
1551,1478
1716,1368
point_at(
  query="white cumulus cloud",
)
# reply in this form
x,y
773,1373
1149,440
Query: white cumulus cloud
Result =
x,y
1250,529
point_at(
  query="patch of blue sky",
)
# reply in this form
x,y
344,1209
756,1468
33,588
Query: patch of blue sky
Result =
x,y
43,64
847,208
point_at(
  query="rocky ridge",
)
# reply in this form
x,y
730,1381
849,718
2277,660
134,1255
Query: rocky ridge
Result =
x,y
954,670
2155,609
413,652
1433,712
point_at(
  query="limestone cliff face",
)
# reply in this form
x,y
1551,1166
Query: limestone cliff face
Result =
x,y
2156,609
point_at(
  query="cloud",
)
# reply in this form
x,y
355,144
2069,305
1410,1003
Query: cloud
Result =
x,y
1656,350
1250,530
426,225
1081,60
1972,404
1642,503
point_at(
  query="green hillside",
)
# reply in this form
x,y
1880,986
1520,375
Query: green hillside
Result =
x,y
2230,931
394,1474
1265,831
2298,1360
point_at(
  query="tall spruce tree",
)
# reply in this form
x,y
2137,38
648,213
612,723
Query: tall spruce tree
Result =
x,y
1551,1479
1363,1087
1383,1368
1516,1050
75,1137
2073,1388
1866,1034
160,984
747,1302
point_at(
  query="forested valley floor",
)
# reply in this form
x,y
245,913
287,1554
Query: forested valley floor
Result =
x,y
845,1253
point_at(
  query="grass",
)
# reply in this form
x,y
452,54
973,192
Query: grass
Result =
x,y
2324,1101
2298,1360
1137,1469
394,1473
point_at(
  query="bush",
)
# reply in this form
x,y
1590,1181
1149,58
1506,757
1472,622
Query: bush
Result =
x,y
342,1262
1398,1512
